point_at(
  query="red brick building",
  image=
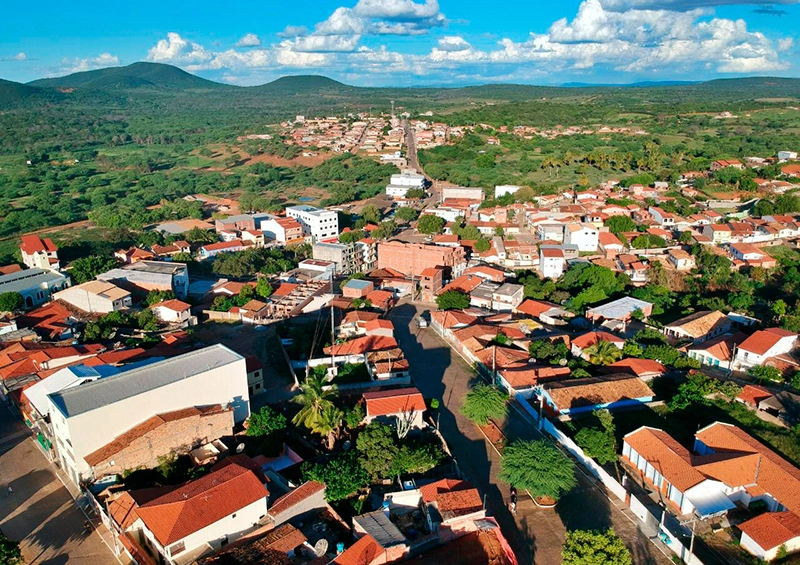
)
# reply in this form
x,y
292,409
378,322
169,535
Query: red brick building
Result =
x,y
412,259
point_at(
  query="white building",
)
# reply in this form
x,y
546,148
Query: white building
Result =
x,y
91,416
787,155
762,345
172,311
551,262
585,236
96,297
35,285
319,224
461,193
400,184
39,253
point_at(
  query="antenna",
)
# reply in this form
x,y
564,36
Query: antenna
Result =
x,y
321,547
240,448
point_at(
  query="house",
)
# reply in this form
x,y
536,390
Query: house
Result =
x,y
172,311
681,260
239,222
52,321
201,516
622,310
571,397
718,233
716,352
761,345
355,322
698,327
752,255
171,249
381,300
404,406
486,272
592,338
430,283
664,219
357,288
365,551
96,297
784,405
145,276
546,312
523,379
319,224
645,369
283,230
609,244
278,547
751,395
252,237
211,250
36,285
305,500
39,253
507,297
585,236
720,164
91,416
133,255
551,262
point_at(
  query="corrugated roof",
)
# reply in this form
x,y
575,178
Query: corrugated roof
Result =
x,y
379,526
94,395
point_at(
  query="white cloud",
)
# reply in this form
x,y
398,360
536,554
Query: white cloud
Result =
x,y
679,5
101,61
249,40
322,43
18,57
176,50
402,10
453,43
341,22
785,44
293,31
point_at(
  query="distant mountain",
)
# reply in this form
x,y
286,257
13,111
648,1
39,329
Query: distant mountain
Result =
x,y
303,84
14,93
642,84
135,76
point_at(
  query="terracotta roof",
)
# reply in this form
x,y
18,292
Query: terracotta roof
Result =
x,y
34,244
535,308
669,458
222,245
452,504
464,283
591,338
638,367
721,347
363,316
525,376
483,547
200,503
501,356
364,552
254,306
772,529
552,252
174,305
752,394
123,510
271,549
362,345
50,319
579,393
296,496
450,318
607,238
388,402
376,324
701,323
763,340
284,289
124,440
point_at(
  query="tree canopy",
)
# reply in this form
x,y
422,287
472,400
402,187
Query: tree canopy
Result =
x,y
539,467
584,547
483,403
452,300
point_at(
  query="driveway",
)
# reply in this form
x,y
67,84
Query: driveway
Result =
x,y
41,512
536,535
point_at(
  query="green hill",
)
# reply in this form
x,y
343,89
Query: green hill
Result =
x,y
303,84
14,93
135,76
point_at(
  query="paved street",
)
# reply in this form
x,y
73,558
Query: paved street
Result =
x,y
535,534
41,512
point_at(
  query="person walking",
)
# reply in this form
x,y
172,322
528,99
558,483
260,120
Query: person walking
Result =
x,y
9,491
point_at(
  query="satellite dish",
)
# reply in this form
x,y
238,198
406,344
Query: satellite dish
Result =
x,y
321,547
240,448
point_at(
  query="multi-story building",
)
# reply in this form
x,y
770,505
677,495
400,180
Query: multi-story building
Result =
x,y
412,259
400,184
368,248
319,224
96,415
551,262
282,230
96,297
344,255
39,253
585,236
144,276
35,285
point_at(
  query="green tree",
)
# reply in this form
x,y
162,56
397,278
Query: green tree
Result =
x,y
11,302
452,300
377,450
546,351
265,422
599,442
371,214
482,244
86,269
313,400
156,296
342,475
686,237
483,403
10,552
263,287
416,459
539,467
406,214
648,241
766,373
779,309
146,320
328,424
694,391
354,417
620,224
430,224
585,547
602,353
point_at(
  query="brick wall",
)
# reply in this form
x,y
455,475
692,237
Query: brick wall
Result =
x,y
179,436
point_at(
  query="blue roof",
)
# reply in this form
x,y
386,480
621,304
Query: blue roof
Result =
x,y
358,284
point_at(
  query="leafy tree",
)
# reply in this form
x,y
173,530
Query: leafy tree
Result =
x,y
778,309
648,241
766,373
86,269
546,351
263,287
156,296
406,214
11,302
371,214
602,353
377,450
620,224
313,400
482,244
183,257
694,391
585,547
452,300
416,459
146,320
483,403
10,553
342,475
539,467
222,303
415,193
686,237
354,417
632,349
265,421
599,442
430,224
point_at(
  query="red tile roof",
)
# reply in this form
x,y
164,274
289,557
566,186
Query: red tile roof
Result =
x,y
638,367
535,308
431,491
364,552
752,394
376,324
298,495
362,345
200,503
763,340
175,305
34,244
669,458
591,338
772,528
388,402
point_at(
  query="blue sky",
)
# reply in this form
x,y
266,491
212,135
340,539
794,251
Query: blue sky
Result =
x,y
410,42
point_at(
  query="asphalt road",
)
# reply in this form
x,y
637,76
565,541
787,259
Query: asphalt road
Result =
x,y
535,534
40,512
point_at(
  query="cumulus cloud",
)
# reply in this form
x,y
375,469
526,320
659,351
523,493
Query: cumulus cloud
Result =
x,y
177,50
682,5
403,10
88,64
453,43
293,31
249,40
21,56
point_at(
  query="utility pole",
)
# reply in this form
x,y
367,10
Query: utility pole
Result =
x,y
333,328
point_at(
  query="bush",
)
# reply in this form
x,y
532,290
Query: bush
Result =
x,y
342,475
11,302
265,421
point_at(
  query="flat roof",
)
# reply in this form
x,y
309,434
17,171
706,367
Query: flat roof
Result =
x,y
94,395
619,309
379,526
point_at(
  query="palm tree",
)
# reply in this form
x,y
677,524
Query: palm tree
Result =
x,y
314,400
328,424
602,353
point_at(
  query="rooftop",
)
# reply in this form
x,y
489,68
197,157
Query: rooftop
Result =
x,y
701,323
387,402
378,525
619,309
